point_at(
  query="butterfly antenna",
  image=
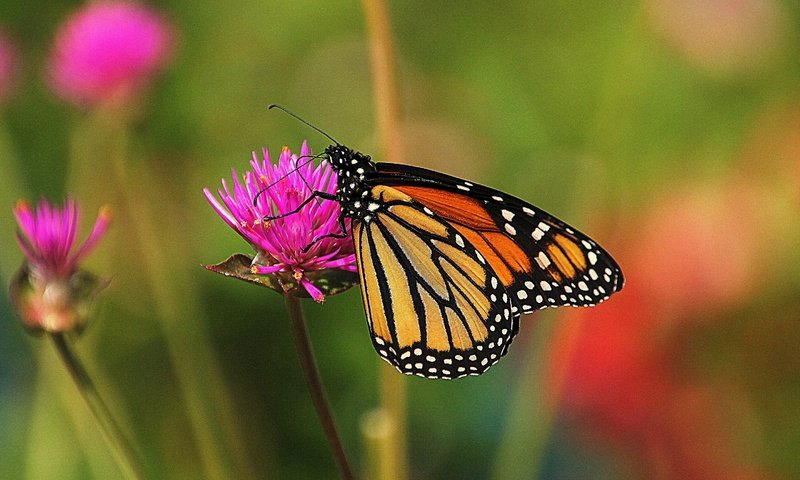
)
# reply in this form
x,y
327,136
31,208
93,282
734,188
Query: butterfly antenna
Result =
x,y
297,166
297,169
279,107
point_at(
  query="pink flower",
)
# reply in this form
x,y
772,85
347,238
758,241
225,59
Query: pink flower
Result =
x,y
287,247
49,291
109,51
8,66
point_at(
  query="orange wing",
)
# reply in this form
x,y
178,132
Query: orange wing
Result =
x,y
435,307
542,261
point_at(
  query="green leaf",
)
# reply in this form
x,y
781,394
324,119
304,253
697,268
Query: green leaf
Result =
x,y
331,281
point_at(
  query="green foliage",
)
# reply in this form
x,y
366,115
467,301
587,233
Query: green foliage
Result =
x,y
586,109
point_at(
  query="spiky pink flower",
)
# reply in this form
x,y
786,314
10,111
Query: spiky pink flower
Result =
x,y
50,291
108,51
287,247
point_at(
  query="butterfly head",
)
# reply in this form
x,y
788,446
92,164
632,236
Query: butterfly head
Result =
x,y
343,158
352,167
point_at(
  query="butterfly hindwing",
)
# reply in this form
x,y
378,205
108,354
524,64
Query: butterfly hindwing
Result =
x,y
542,261
434,304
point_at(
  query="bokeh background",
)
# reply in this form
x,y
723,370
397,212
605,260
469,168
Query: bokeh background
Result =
x,y
667,129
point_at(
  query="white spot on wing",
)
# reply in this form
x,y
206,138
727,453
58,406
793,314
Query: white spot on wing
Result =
x,y
543,260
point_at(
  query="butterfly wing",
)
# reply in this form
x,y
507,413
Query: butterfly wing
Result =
x,y
542,261
434,305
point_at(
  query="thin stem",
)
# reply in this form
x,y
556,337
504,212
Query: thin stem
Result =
x,y
199,380
120,447
384,80
533,409
314,384
392,446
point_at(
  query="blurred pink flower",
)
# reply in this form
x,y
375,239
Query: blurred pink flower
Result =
x,y
8,66
280,243
49,291
108,52
624,376
721,36
700,247
696,252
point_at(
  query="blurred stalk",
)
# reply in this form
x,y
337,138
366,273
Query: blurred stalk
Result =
x,y
47,453
384,81
534,408
607,133
535,405
11,190
45,456
391,447
314,384
189,348
56,432
121,449
376,428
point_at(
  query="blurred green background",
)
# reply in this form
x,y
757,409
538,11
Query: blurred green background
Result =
x,y
668,130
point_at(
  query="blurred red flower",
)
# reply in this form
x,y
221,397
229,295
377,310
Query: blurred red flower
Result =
x,y
699,248
696,252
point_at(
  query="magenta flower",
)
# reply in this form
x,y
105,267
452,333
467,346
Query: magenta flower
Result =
x,y
49,291
282,245
8,66
108,52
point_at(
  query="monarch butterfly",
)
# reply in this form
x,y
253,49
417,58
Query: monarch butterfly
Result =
x,y
447,266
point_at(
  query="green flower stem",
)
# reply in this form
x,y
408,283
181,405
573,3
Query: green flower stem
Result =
x,y
391,448
123,453
105,164
532,411
314,383
378,431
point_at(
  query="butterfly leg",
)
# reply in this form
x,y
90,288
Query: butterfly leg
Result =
x,y
341,234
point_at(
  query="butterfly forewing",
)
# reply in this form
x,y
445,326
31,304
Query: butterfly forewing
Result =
x,y
542,261
434,304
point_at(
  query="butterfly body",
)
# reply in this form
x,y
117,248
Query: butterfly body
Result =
x,y
447,266
353,189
